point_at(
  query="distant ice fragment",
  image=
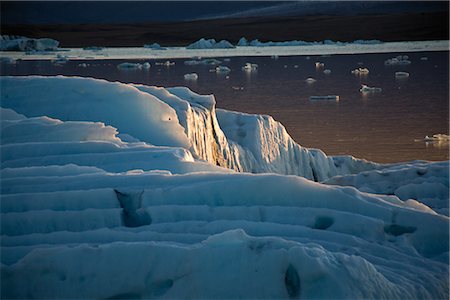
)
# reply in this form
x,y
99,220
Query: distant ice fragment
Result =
x,y
129,66
400,60
166,63
328,98
327,71
146,65
210,44
367,89
60,59
424,58
319,64
401,75
360,71
310,80
154,46
83,65
222,69
191,76
249,67
295,66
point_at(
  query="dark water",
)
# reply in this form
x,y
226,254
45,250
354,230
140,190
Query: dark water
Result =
x,y
381,127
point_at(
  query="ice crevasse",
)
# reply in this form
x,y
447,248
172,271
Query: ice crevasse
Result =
x,y
98,204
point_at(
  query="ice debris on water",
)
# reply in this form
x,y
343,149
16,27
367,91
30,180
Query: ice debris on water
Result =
x,y
310,80
327,71
167,63
424,58
437,138
400,60
83,65
133,66
319,64
222,69
249,67
191,76
401,75
367,89
327,97
199,61
360,71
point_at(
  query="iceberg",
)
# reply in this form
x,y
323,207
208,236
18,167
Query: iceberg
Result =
x,y
223,69
113,190
210,44
249,67
20,43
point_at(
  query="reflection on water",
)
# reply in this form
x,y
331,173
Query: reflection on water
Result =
x,y
380,126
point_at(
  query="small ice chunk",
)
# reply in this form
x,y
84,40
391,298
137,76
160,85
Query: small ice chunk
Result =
x,y
400,60
401,75
319,64
83,65
295,66
129,66
310,80
327,97
424,58
166,63
146,65
327,71
223,69
367,89
360,71
227,59
437,138
191,76
249,67
60,59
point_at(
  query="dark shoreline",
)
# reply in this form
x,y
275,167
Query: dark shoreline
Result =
x,y
392,27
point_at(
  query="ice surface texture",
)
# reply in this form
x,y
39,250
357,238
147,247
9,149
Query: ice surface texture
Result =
x,y
20,43
86,214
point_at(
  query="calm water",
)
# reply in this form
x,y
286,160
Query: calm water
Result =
x,y
381,127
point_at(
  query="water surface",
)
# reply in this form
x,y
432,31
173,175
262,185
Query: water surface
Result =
x,y
380,127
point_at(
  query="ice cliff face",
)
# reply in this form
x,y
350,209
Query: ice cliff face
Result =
x,y
177,117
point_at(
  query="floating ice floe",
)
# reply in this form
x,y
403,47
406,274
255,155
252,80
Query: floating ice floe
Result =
x,y
400,60
360,71
83,65
367,89
154,46
401,75
167,63
60,59
310,80
249,67
129,66
326,98
223,69
319,64
146,65
207,61
210,44
20,43
191,76
327,71
424,58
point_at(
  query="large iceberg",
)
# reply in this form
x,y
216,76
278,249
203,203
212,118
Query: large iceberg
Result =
x,y
112,190
20,43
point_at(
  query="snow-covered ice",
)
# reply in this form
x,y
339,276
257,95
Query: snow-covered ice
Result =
x,y
112,190
182,52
